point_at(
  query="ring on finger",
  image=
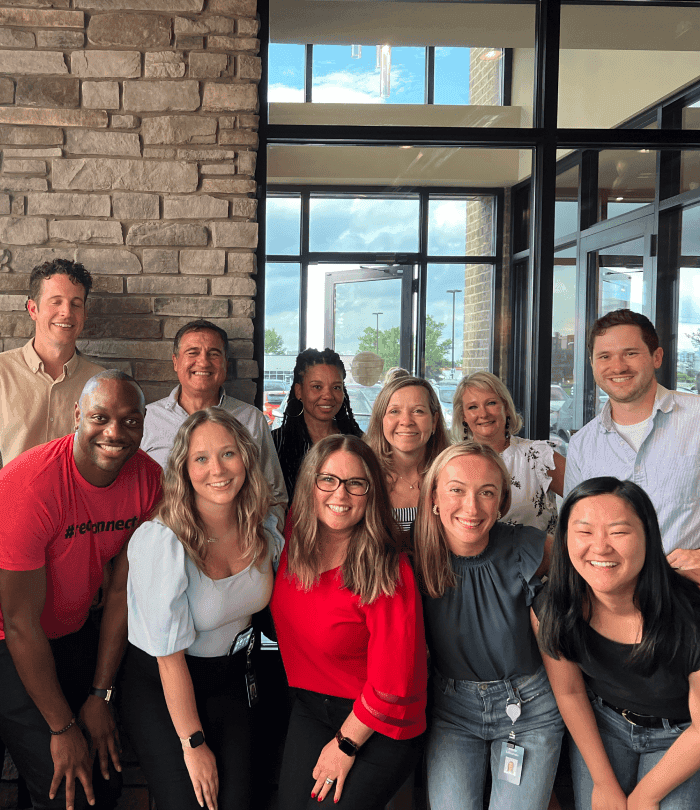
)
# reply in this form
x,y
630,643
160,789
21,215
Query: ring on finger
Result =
x,y
329,781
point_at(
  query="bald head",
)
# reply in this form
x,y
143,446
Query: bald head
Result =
x,y
110,374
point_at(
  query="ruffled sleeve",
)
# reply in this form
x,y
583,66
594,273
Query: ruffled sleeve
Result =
x,y
529,547
540,457
160,621
393,698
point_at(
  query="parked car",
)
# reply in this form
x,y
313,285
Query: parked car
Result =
x,y
275,393
446,392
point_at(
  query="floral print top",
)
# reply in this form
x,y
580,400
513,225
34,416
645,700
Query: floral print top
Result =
x,y
532,501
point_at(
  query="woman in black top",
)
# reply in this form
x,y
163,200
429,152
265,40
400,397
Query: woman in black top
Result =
x,y
620,630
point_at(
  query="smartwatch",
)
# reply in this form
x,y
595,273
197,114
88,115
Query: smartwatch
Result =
x,y
346,745
194,741
105,694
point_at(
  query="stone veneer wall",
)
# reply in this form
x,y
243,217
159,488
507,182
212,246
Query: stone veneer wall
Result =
x,y
127,141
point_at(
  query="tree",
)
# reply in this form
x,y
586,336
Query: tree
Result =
x,y
273,342
695,338
436,351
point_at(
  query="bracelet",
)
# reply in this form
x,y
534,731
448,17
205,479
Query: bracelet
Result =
x,y
63,730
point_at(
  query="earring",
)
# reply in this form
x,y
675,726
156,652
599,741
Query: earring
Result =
x,y
498,516
297,415
507,427
436,511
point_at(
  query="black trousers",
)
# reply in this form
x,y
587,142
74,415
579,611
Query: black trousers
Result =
x,y
24,730
222,704
380,768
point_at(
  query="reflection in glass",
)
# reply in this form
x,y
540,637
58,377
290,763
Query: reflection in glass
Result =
x,y
461,227
281,318
563,387
283,223
626,181
566,204
688,369
690,169
286,72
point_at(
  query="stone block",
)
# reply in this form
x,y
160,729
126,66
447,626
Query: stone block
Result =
x,y
155,391
17,303
160,261
190,43
36,136
218,168
105,64
246,162
161,96
194,206
129,30
249,67
202,262
235,234
107,284
126,305
164,65
248,120
201,307
31,153
240,348
14,282
247,369
159,234
244,207
244,390
229,186
153,370
93,174
23,230
166,285
241,308
61,40
233,285
21,183
16,39
15,62
143,328
247,28
179,129
17,211
86,142
143,5
160,152
236,328
138,349
101,96
233,44
86,230
68,205
109,261
207,65
128,206
205,154
7,91
4,206
238,8
242,263
43,19
225,97
16,324
24,260
24,166
203,26
227,121
125,121
239,137
59,118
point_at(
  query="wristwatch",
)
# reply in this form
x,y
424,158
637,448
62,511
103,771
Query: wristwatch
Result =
x,y
346,745
194,741
105,694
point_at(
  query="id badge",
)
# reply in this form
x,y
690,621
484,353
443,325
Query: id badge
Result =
x,y
251,687
510,766
241,641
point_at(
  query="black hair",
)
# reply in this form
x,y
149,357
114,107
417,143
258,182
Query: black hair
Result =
x,y
624,317
293,435
668,602
58,267
200,325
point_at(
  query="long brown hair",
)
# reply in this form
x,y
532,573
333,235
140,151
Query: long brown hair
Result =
x,y
371,566
178,510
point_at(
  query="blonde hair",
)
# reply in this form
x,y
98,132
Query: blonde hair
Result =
x,y
484,381
371,565
432,554
178,510
375,438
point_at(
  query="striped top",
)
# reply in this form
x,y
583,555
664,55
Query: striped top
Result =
x,y
405,517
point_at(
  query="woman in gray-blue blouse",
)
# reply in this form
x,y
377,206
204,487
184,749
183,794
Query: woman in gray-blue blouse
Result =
x,y
197,573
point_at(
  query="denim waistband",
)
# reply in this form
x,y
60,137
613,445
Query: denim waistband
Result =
x,y
485,687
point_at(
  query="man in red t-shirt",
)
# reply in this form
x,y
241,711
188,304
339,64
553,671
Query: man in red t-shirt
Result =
x,y
70,507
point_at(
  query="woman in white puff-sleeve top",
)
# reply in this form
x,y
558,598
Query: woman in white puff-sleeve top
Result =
x,y
197,573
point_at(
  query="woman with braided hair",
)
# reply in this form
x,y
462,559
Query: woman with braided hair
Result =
x,y
318,406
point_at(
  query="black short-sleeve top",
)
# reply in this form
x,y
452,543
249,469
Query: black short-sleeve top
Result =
x,y
606,672
480,629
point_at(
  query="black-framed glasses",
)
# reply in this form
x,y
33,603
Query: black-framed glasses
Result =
x,y
329,483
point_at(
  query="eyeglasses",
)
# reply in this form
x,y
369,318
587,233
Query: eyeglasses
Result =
x,y
329,483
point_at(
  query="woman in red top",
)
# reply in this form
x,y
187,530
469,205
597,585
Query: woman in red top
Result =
x,y
350,630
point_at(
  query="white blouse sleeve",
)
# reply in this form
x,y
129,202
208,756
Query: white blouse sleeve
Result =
x,y
160,621
540,456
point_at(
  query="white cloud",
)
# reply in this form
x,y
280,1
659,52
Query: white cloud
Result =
x,y
280,92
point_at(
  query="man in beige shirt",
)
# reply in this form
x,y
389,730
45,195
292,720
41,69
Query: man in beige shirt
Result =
x,y
41,381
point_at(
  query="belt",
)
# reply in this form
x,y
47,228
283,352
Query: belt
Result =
x,y
645,720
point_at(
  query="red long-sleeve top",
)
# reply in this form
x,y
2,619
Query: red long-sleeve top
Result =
x,y
374,654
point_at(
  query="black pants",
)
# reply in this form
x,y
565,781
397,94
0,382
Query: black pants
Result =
x,y
222,704
380,768
24,730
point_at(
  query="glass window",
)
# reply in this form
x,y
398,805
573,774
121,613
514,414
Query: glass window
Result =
x,y
283,222
688,370
626,181
690,169
566,218
461,72
286,72
461,227
563,393
281,318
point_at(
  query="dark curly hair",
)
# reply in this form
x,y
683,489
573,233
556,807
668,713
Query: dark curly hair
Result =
x,y
58,267
292,439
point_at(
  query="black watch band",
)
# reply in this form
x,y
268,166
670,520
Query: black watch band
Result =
x,y
194,741
346,745
105,694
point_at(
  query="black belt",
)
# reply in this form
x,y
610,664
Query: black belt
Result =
x,y
645,720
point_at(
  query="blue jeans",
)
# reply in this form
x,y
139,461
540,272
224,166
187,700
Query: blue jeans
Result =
x,y
469,723
633,751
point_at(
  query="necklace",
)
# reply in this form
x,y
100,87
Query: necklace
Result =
x,y
413,485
